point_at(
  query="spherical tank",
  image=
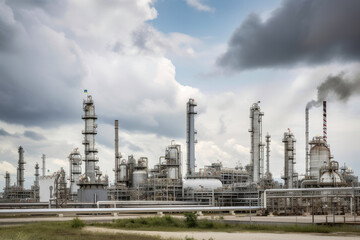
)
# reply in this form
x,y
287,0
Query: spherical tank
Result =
x,y
319,156
139,178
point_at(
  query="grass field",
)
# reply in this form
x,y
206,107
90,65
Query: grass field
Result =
x,y
60,231
167,223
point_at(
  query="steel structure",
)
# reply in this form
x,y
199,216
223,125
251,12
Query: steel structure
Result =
x,y
190,136
21,168
307,172
75,172
257,147
289,159
268,140
117,154
36,182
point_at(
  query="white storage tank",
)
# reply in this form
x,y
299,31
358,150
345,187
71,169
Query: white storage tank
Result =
x,y
202,183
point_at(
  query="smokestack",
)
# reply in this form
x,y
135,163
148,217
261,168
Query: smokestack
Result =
x,y
21,168
117,155
7,180
190,136
324,122
306,141
36,183
43,157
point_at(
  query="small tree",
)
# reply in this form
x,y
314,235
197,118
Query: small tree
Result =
x,y
190,219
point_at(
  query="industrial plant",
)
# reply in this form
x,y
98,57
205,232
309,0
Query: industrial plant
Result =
x,y
325,188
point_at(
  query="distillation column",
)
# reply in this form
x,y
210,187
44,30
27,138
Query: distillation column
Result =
x,y
43,157
92,186
21,168
91,168
7,180
256,152
307,142
268,140
324,122
289,159
117,154
75,171
37,174
190,136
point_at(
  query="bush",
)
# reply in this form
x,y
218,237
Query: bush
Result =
x,y
77,223
191,219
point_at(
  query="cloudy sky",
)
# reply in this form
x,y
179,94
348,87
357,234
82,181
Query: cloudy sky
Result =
x,y
142,60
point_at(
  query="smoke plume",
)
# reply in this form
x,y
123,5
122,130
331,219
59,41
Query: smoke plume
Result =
x,y
336,87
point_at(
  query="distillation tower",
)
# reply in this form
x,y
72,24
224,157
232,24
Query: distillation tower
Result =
x,y
75,172
257,147
37,174
289,159
21,168
268,140
190,136
43,157
92,186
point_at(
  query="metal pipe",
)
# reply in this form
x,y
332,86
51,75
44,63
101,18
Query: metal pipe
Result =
x,y
125,210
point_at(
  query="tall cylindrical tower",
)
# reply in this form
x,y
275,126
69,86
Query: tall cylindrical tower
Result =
x,y
268,140
7,180
37,174
256,152
306,141
75,170
117,154
43,157
21,168
324,122
289,159
319,156
91,159
190,136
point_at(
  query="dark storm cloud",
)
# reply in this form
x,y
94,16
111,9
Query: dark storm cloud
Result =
x,y
302,31
336,87
33,135
40,70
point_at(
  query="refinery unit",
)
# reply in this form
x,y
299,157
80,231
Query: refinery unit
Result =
x,y
325,186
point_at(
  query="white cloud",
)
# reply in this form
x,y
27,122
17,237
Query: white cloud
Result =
x,y
6,166
199,5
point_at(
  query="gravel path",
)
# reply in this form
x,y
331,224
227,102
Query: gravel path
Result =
x,y
225,235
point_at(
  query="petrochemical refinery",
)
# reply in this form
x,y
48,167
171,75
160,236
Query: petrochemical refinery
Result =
x,y
325,186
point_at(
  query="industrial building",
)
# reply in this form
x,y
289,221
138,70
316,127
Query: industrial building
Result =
x,y
325,187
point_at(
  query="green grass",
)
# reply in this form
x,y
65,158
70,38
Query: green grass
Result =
x,y
168,223
60,231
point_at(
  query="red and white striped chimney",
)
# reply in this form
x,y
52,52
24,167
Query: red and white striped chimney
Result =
x,y
324,122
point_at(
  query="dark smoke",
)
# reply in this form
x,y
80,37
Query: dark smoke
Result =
x,y
336,87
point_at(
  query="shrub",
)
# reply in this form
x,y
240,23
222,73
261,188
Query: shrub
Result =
x,y
191,219
77,223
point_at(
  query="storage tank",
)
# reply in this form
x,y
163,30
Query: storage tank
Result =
x,y
319,156
139,178
202,183
123,172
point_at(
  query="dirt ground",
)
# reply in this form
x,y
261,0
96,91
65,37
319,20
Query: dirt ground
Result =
x,y
227,236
